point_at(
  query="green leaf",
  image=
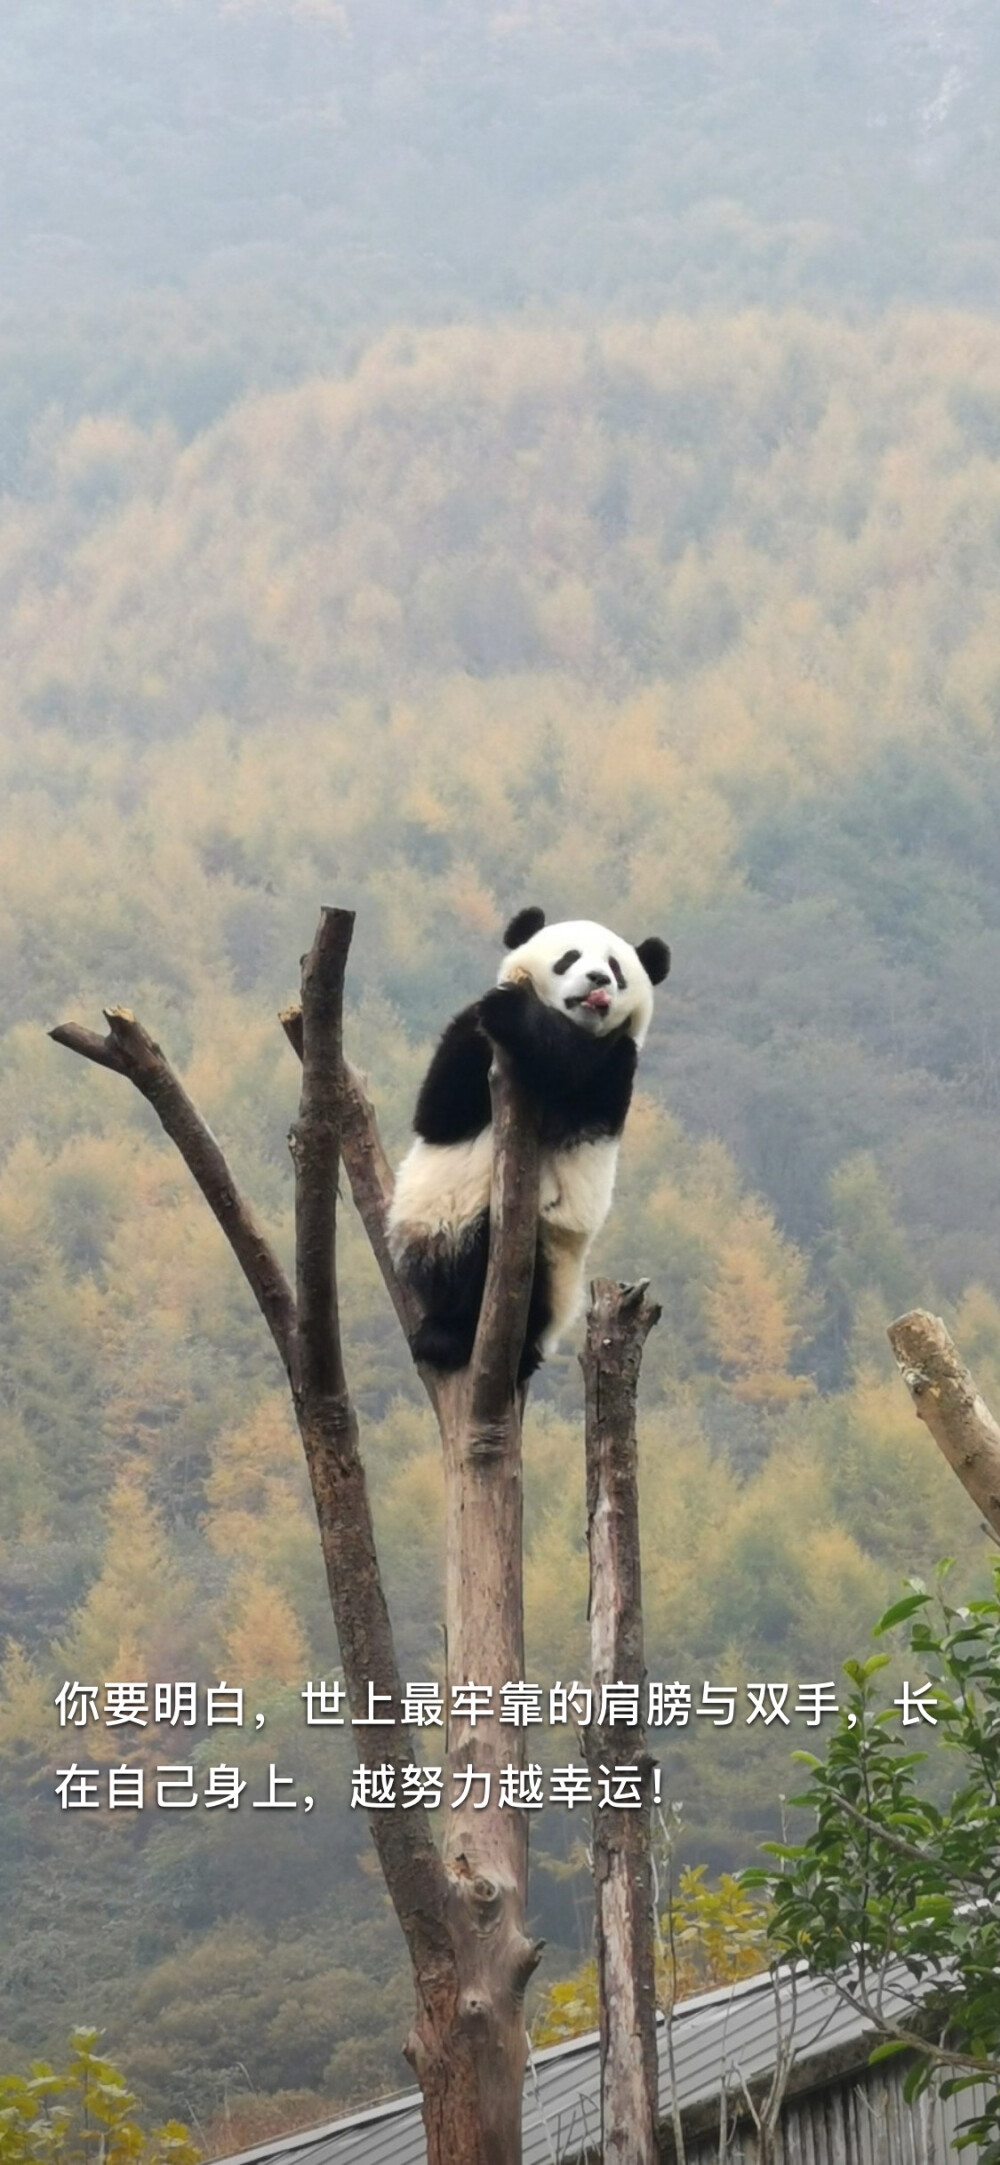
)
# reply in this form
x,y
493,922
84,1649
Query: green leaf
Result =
x,y
899,1611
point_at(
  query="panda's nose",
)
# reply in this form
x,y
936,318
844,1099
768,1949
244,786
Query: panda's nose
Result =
x,y
598,977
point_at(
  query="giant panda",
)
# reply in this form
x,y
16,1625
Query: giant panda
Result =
x,y
571,1007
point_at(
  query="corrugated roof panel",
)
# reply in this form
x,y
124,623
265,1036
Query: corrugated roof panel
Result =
x,y
731,2032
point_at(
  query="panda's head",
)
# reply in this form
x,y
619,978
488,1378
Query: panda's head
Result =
x,y
585,971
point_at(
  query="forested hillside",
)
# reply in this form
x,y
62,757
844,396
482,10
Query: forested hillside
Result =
x,y
456,458
683,624
208,196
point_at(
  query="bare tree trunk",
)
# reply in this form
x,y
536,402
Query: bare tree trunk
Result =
x,y
479,1414
485,1844
947,1401
618,1325
462,1915
329,1431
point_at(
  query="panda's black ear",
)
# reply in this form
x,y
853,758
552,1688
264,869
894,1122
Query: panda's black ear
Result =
x,y
524,927
655,958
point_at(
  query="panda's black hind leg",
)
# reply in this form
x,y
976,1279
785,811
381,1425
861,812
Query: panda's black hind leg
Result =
x,y
531,1361
439,1343
539,1318
449,1285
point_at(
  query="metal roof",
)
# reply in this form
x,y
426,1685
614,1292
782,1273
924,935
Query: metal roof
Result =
x,y
727,2036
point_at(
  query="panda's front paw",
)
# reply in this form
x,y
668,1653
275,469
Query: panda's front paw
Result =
x,y
501,1013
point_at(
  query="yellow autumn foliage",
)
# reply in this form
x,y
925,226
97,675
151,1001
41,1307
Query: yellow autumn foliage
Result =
x,y
707,1936
263,1641
756,1309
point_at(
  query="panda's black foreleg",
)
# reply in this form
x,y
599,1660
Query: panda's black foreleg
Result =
x,y
449,1282
581,1083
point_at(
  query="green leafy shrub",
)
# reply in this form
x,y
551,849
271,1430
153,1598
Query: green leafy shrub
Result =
x,y
83,2115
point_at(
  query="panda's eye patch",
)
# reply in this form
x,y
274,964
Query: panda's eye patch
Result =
x,y
566,962
617,972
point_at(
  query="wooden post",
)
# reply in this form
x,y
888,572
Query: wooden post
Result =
x,y
618,1325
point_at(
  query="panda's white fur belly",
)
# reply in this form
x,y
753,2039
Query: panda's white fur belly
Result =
x,y
442,1187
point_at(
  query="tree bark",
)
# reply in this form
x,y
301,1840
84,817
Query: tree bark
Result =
x,y
618,1325
485,1843
946,1400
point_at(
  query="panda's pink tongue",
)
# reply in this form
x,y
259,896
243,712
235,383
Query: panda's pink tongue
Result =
x,y
599,1001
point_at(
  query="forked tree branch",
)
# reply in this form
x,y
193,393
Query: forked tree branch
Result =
x,y
513,1221
410,1863
947,1401
479,1414
310,1347
369,1172
129,1050
462,1919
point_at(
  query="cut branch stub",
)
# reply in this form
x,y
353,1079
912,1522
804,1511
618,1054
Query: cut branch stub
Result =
x,y
315,1148
952,1409
129,1050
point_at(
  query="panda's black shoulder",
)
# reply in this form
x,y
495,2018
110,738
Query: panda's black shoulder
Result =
x,y
454,1100
581,1084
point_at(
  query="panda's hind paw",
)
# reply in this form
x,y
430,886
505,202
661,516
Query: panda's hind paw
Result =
x,y
531,1360
436,1345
